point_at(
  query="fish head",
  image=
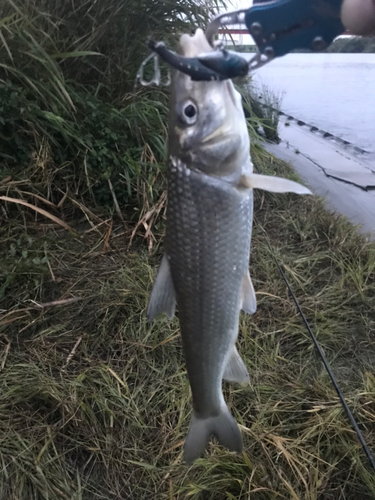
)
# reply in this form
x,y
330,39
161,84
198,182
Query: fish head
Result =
x,y
207,128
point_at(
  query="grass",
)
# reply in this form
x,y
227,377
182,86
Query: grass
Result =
x,y
67,74
95,403
262,109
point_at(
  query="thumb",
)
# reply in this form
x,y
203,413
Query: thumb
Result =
x,y
358,16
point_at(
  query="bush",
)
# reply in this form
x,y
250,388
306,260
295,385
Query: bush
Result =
x,y
353,44
67,75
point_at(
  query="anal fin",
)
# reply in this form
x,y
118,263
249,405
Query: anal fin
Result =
x,y
235,370
163,296
248,297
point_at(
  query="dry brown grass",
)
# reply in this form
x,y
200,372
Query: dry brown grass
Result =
x,y
95,402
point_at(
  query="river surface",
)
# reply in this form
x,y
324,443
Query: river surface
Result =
x,y
334,92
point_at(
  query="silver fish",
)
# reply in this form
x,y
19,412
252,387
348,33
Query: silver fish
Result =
x,y
207,248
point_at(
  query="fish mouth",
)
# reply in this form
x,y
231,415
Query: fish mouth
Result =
x,y
221,134
215,134
220,139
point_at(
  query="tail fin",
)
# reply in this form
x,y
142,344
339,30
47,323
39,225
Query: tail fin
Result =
x,y
223,427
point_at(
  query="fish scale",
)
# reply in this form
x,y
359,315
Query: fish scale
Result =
x,y
208,247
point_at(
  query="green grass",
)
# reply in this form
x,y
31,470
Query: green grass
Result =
x,y
95,403
262,108
67,75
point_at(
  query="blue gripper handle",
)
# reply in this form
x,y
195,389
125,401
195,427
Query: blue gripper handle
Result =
x,y
286,25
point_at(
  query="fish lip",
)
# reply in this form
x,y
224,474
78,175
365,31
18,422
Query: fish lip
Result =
x,y
210,141
217,132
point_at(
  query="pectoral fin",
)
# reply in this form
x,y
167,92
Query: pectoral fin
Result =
x,y
248,297
273,184
163,296
235,370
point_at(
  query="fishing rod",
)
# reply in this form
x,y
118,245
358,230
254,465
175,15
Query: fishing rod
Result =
x,y
322,357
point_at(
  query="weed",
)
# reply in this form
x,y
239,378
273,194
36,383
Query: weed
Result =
x,y
262,108
67,77
95,403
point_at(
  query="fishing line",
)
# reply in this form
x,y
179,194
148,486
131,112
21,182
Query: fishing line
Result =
x,y
323,358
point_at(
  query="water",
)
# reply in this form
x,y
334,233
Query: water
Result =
x,y
334,92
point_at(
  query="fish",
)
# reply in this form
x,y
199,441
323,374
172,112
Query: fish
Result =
x,y
205,267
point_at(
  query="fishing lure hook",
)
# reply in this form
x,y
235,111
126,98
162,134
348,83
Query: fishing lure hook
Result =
x,y
156,77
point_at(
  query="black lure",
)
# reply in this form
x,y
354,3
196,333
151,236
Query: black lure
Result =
x,y
219,65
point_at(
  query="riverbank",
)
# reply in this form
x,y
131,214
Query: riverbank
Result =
x,y
340,173
95,403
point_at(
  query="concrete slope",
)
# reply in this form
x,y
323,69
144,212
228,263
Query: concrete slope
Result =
x,y
341,173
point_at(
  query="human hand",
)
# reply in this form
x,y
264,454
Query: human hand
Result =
x,y
358,16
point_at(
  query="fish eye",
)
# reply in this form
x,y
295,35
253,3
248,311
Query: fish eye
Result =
x,y
189,113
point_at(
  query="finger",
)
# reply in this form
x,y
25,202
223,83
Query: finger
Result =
x,y
358,16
